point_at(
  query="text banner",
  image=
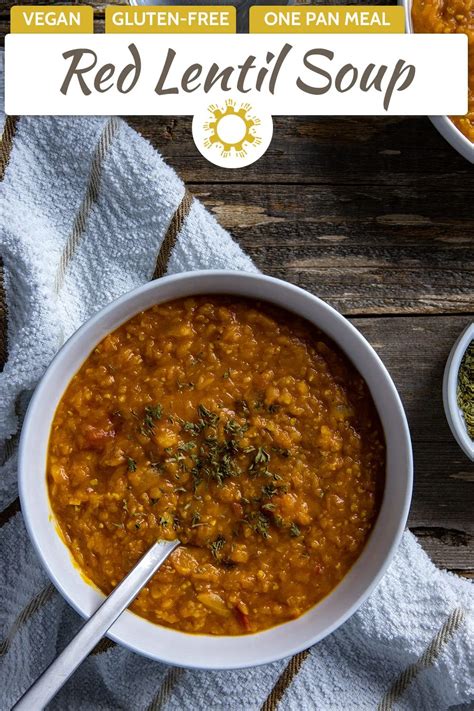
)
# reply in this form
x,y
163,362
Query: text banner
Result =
x,y
322,19
175,74
152,20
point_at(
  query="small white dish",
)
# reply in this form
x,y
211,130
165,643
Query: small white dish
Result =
x,y
205,651
450,382
443,124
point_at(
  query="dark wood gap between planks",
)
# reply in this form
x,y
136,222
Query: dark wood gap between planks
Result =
x,y
420,314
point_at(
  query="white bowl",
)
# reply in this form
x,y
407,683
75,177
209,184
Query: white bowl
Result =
x,y
202,651
450,400
443,124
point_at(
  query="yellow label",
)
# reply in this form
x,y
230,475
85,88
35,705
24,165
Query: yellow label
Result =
x,y
326,19
168,18
51,19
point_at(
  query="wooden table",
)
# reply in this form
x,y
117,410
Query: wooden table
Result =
x,y
376,216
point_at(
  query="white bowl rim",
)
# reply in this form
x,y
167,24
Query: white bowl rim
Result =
x,y
223,652
450,381
443,124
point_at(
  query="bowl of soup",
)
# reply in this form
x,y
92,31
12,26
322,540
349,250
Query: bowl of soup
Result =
x,y
245,417
448,16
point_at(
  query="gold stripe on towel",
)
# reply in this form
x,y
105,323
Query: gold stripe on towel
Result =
x,y
10,446
3,320
6,143
172,677
103,646
429,657
9,512
90,197
171,235
38,601
160,268
284,681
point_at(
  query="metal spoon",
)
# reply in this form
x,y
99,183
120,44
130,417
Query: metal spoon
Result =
x,y
59,671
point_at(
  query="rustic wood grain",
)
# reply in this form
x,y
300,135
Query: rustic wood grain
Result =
x,y
375,215
3,319
366,251
368,220
344,150
415,352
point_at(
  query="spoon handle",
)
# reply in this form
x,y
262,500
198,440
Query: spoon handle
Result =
x,y
59,671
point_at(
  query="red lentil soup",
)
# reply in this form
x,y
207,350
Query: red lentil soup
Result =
x,y
448,17
235,426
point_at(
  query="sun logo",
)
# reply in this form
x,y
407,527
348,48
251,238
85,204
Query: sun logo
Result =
x,y
232,134
231,130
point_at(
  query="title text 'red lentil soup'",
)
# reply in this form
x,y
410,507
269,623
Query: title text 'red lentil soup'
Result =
x,y
448,17
235,426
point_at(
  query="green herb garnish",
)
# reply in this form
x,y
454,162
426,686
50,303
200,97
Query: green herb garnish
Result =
x,y
294,530
154,411
209,418
269,490
216,546
259,523
233,427
262,457
131,465
465,388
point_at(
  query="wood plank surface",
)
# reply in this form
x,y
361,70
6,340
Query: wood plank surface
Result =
x,y
415,351
342,150
356,219
364,249
376,216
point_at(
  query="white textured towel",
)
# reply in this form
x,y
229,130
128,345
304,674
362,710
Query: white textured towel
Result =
x,y
85,205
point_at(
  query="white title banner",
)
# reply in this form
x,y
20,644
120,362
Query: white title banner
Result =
x,y
288,74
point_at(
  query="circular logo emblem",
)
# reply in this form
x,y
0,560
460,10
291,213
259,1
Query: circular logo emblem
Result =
x,y
232,134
